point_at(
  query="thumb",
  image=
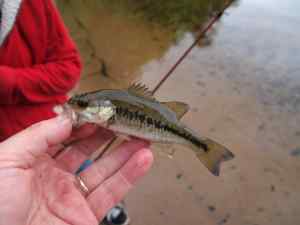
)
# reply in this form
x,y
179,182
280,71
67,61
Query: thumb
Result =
x,y
37,139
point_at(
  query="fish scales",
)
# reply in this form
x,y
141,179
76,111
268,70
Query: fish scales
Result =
x,y
141,125
135,121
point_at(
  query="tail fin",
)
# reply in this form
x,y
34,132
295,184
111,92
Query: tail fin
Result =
x,y
213,155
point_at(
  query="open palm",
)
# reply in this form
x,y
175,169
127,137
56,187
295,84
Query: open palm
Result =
x,y
36,189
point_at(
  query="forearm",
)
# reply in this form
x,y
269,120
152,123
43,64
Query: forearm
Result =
x,y
40,83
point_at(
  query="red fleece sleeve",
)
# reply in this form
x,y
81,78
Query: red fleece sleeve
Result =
x,y
44,82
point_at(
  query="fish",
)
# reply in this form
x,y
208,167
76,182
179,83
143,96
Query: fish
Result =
x,y
136,112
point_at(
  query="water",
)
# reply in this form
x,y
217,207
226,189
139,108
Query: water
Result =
x,y
123,44
244,91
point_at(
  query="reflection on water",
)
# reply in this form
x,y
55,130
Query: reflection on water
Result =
x,y
108,39
244,91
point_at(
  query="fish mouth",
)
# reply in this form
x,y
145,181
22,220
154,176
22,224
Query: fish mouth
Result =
x,y
97,112
66,110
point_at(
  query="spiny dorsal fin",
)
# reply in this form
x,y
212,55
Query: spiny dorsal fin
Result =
x,y
179,108
141,90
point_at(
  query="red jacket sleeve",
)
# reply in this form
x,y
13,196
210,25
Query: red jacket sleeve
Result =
x,y
46,81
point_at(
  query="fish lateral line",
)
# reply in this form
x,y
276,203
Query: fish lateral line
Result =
x,y
148,120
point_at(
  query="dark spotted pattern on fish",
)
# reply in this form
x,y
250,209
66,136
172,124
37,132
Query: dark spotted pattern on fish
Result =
x,y
148,121
189,137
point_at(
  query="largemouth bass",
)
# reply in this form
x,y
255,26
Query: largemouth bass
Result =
x,y
136,112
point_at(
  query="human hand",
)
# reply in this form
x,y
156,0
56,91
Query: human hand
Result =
x,y
36,189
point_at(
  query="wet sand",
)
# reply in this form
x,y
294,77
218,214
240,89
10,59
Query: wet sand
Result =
x,y
244,91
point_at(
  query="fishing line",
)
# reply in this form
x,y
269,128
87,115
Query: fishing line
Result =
x,y
187,52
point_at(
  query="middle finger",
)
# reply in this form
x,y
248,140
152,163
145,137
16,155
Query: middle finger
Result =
x,y
77,153
100,170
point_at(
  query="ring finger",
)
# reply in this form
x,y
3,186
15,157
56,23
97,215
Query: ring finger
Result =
x,y
103,168
114,189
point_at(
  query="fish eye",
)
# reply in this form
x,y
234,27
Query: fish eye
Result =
x,y
77,101
82,104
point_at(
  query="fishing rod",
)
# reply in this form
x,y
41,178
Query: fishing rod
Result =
x,y
202,33
198,39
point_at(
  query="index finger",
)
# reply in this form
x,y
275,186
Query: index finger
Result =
x,y
82,132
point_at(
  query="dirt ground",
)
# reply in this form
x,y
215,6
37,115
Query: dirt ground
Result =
x,y
244,92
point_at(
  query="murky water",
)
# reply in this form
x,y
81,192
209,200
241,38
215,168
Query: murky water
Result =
x,y
244,91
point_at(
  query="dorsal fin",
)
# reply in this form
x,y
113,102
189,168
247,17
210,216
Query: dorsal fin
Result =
x,y
179,108
141,90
